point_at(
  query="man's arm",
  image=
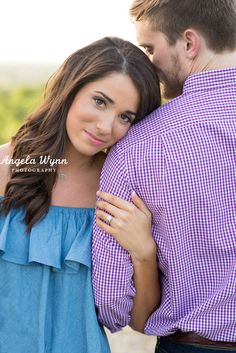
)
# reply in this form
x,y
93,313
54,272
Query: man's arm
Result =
x,y
112,266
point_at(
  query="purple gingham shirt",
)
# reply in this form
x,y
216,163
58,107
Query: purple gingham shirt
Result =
x,y
181,161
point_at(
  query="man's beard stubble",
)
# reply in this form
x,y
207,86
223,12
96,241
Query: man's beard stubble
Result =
x,y
171,84
170,91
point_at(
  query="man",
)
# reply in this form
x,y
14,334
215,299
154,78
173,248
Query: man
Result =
x,y
181,161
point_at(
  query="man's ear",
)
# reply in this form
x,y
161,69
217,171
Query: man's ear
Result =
x,y
192,42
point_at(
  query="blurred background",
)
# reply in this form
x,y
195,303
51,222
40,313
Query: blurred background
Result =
x,y
36,37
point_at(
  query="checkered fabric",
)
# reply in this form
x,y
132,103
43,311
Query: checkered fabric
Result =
x,y
181,161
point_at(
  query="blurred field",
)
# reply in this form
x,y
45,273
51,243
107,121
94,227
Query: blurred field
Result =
x,y
21,92
129,341
15,104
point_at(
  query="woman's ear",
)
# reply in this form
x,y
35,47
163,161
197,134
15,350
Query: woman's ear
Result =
x,y
192,42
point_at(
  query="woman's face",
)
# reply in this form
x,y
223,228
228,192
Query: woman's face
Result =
x,y
101,113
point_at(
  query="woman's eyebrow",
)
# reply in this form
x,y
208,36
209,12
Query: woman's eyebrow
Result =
x,y
131,113
112,102
105,96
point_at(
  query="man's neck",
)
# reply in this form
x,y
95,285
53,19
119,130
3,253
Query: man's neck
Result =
x,y
214,61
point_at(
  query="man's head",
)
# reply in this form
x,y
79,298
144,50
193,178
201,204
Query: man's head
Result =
x,y
183,36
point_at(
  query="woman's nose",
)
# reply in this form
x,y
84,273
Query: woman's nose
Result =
x,y
105,124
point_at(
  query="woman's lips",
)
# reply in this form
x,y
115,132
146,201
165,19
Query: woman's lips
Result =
x,y
92,138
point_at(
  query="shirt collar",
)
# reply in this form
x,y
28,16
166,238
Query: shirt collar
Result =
x,y
210,79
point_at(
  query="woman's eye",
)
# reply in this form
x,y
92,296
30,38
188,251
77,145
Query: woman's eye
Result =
x,y
99,101
148,50
126,118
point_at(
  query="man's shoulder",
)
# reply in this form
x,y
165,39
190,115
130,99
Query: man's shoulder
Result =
x,y
153,126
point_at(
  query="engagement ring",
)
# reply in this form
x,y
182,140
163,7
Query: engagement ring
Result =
x,y
109,219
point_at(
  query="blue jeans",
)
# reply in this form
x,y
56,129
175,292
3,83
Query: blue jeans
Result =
x,y
165,346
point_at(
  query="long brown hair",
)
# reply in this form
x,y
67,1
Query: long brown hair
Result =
x,y
44,132
215,19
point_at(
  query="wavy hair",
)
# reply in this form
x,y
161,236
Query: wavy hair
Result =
x,y
44,131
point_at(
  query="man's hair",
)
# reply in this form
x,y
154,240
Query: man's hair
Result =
x,y
214,19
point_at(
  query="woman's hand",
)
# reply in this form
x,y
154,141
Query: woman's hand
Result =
x,y
129,223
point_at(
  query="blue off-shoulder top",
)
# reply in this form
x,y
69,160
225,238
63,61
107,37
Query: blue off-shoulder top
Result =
x,y
46,298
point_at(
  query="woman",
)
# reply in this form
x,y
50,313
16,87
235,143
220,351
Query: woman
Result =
x,y
49,176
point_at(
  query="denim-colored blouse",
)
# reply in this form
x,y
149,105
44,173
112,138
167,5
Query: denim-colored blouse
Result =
x,y
46,298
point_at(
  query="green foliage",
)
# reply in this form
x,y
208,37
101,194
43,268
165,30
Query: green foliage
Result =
x,y
15,105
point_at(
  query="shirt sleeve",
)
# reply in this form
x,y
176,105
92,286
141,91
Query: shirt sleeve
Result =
x,y
112,267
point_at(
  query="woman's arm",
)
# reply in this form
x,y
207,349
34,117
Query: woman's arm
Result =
x,y
131,227
147,296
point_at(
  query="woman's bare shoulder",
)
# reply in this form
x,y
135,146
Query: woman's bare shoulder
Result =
x,y
5,155
6,149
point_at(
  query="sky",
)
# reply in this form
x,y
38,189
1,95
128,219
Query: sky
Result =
x,y
48,31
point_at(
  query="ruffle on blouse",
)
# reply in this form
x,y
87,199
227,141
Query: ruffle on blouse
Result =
x,y
62,239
